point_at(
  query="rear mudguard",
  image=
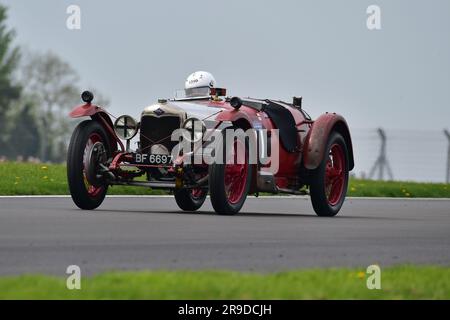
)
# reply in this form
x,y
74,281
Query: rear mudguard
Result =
x,y
100,115
317,138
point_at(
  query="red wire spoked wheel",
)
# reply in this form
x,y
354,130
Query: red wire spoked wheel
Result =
x,y
235,177
89,146
229,182
190,199
335,174
92,190
329,181
197,193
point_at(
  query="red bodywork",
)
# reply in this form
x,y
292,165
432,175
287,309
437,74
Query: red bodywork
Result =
x,y
312,137
316,140
99,114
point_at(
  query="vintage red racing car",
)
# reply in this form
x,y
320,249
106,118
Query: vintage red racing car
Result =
x,y
279,149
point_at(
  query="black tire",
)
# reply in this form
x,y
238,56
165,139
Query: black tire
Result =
x,y
319,198
75,168
219,198
187,201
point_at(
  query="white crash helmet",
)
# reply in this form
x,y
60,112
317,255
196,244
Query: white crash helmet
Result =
x,y
199,83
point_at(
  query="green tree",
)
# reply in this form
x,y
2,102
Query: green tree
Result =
x,y
9,90
25,136
52,85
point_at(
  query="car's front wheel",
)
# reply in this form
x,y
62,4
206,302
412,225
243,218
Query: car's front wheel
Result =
x,y
190,200
330,180
229,183
88,148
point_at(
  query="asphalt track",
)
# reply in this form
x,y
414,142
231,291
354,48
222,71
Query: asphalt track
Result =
x,y
45,235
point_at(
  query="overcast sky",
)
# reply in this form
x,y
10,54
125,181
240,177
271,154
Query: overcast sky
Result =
x,y
398,77
137,51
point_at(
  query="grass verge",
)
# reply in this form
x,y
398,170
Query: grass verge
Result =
x,y
401,282
46,179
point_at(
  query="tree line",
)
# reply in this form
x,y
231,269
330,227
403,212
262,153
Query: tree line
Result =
x,y
37,90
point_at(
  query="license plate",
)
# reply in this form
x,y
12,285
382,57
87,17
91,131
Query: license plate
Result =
x,y
154,159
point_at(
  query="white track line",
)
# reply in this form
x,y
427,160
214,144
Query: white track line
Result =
x,y
262,197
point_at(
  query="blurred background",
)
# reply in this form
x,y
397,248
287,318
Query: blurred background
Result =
x,y
129,53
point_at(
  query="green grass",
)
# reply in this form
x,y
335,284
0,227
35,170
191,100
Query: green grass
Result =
x,y
401,282
46,179
369,188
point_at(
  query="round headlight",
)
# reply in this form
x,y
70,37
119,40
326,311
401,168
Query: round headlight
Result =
x,y
125,127
194,129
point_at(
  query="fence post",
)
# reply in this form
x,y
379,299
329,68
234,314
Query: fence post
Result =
x,y
381,163
447,177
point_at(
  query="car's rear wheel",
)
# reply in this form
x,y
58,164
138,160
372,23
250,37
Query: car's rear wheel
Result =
x,y
89,146
229,183
190,199
330,180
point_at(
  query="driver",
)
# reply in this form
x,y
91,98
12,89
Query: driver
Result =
x,y
198,84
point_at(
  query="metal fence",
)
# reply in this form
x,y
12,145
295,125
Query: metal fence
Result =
x,y
415,155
